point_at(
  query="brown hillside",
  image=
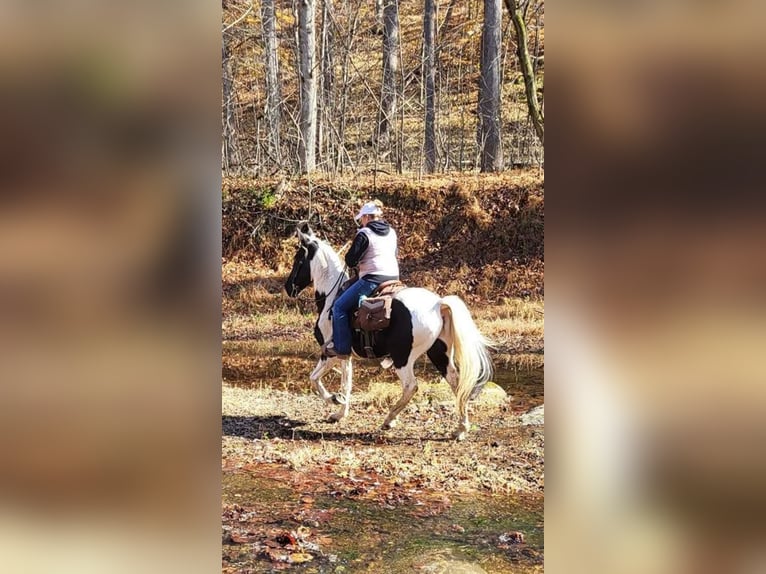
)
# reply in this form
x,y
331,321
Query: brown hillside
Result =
x,y
466,234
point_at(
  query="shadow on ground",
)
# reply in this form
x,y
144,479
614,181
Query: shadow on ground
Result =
x,y
270,427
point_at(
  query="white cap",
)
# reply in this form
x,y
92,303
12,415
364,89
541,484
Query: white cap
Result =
x,y
369,208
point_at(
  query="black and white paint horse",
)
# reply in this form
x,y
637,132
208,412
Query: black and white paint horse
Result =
x,y
421,322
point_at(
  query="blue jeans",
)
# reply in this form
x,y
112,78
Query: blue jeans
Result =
x,y
342,308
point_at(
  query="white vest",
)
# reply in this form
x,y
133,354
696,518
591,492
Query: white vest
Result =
x,y
380,257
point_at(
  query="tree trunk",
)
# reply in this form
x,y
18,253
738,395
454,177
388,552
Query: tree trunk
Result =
x,y
346,83
273,96
328,82
230,156
525,62
390,70
307,49
489,142
378,16
429,70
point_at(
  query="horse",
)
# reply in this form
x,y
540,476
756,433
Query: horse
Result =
x,y
421,322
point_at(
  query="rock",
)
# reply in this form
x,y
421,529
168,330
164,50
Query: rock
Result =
x,y
444,563
536,416
491,395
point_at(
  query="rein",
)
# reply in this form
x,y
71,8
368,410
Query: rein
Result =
x,y
324,298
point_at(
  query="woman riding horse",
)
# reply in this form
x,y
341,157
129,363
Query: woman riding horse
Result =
x,y
422,322
374,251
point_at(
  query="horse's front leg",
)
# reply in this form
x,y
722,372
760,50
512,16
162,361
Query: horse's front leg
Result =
x,y
316,380
344,397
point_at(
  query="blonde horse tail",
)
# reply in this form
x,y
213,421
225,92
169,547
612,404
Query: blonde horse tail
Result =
x,y
470,348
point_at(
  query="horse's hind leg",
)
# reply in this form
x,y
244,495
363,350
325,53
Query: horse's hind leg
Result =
x,y
462,414
441,356
344,399
409,386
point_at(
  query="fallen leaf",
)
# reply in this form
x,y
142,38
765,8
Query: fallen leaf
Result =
x,y
303,532
286,539
514,537
299,557
242,538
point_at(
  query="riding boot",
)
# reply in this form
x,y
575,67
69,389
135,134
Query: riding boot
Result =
x,y
329,351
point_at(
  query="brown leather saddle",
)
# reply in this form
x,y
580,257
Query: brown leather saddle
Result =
x,y
374,314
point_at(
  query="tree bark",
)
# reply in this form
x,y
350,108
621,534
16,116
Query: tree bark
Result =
x,y
347,46
328,106
389,90
273,95
429,71
489,140
308,82
378,16
230,156
525,62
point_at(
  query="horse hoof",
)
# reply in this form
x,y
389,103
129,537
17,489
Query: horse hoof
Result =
x,y
338,400
388,425
459,435
337,416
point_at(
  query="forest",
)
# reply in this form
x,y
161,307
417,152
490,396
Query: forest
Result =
x,y
347,86
437,111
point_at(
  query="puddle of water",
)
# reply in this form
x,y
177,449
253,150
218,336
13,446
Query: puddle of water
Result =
x,y
367,537
526,386
470,530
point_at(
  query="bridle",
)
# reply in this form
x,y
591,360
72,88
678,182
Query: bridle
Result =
x,y
324,297
337,282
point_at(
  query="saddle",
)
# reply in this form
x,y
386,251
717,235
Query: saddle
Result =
x,y
374,314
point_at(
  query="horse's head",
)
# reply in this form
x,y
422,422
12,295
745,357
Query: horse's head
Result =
x,y
300,275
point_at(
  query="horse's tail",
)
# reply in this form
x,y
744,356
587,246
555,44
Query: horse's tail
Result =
x,y
470,347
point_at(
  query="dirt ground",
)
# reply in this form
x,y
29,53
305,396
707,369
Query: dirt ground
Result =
x,y
275,431
280,437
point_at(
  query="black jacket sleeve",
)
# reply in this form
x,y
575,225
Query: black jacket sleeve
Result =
x,y
357,249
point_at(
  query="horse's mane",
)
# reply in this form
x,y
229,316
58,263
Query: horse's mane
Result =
x,y
332,264
329,252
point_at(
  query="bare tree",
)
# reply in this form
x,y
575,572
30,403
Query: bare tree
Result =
x,y
378,16
231,155
525,61
308,82
318,96
327,101
429,71
273,96
390,71
489,140
347,43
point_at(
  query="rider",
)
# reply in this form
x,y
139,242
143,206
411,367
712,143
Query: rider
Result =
x,y
374,251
